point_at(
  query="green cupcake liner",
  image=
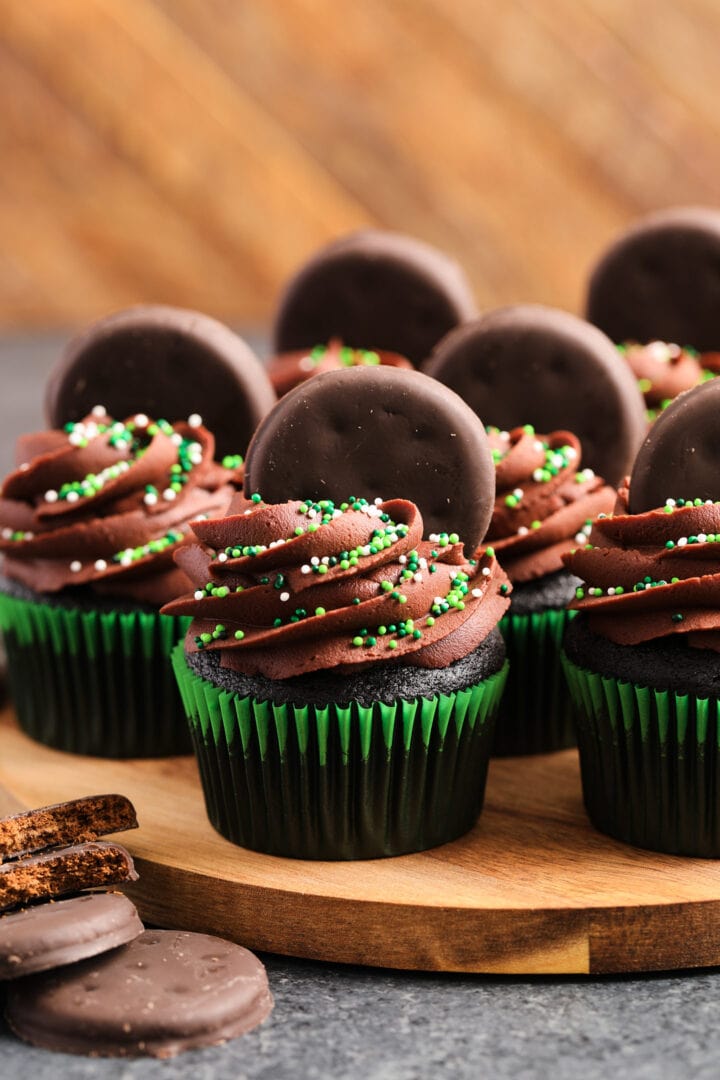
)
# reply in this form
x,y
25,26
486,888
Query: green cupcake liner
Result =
x,y
95,682
535,715
341,781
650,763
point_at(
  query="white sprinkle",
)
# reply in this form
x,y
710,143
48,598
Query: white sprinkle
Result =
x,y
418,578
100,564
141,420
538,476
199,595
169,494
126,560
195,420
7,534
518,493
76,438
402,559
572,454
72,496
670,502
365,549
29,536
537,445
305,569
423,563
682,541
25,465
246,513
611,591
438,599
580,538
523,530
702,537
176,438
307,363
325,559
378,501
51,496
98,410
486,571
222,556
76,566
150,498
434,537
315,561
284,596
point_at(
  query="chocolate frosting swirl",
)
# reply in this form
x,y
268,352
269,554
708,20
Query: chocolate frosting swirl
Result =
x,y
647,576
544,504
105,504
290,369
296,587
664,370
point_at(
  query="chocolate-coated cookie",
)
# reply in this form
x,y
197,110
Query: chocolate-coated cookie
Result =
x,y
661,281
64,870
165,992
529,364
378,433
71,822
374,290
50,935
680,458
165,362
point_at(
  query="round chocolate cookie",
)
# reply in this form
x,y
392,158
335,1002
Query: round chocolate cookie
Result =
x,y
165,992
50,935
679,458
165,362
378,433
529,364
661,281
374,290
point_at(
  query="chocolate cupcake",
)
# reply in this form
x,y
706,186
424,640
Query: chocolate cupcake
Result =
x,y
343,667
642,655
528,363
90,519
89,522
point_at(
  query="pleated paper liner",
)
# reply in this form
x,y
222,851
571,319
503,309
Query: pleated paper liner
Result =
x,y
95,682
341,781
535,714
650,763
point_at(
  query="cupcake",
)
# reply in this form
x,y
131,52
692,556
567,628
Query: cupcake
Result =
x,y
544,506
641,656
657,284
290,369
549,372
343,667
89,522
90,519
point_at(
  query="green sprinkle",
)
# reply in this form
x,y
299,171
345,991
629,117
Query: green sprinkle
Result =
x,y
357,641
677,617
392,644
386,586
239,634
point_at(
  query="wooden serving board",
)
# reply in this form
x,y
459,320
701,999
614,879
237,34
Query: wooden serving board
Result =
x,y
533,889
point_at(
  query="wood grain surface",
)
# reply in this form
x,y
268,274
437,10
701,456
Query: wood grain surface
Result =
x,y
195,151
533,889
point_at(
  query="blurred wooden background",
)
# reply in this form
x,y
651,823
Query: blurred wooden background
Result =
x,y
195,151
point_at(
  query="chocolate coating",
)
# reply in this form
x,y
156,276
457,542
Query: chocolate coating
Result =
x,y
166,362
680,457
529,364
378,433
374,290
49,935
661,280
165,992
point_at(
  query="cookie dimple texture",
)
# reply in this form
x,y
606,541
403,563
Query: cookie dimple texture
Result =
x,y
529,364
400,434
661,280
166,362
680,457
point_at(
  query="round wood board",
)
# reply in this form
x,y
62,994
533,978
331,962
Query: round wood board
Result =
x,y
532,889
